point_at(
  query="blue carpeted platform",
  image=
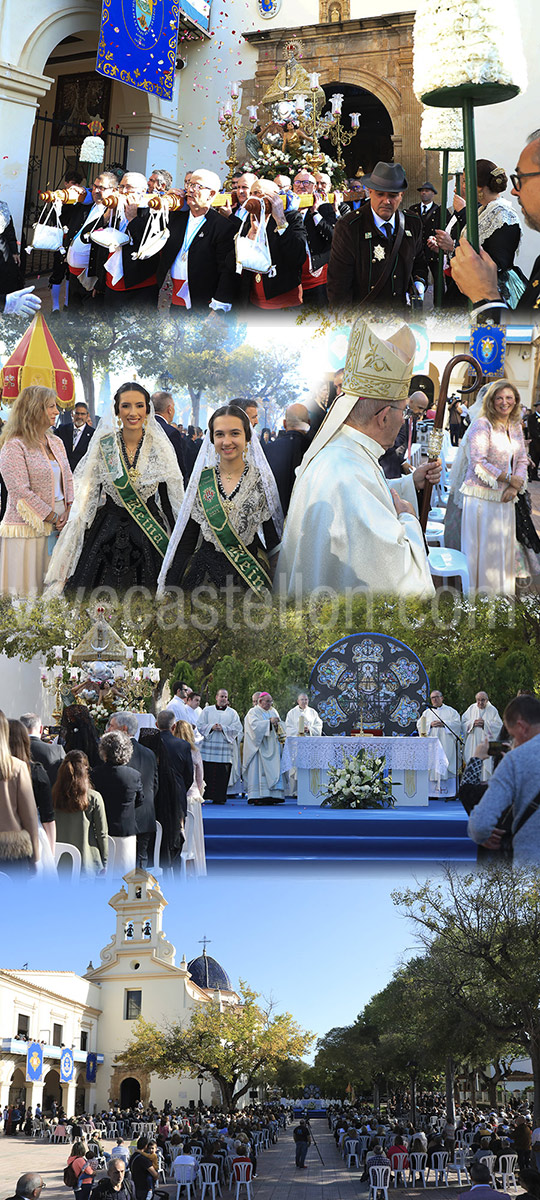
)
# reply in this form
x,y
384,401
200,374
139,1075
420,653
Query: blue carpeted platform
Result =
x,y
238,833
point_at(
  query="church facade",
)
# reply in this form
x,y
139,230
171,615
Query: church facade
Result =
x,y
93,1015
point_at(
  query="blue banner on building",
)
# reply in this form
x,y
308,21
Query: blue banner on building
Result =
x,y
91,1068
138,42
66,1066
34,1063
488,345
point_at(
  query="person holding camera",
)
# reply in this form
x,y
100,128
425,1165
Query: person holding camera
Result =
x,y
515,784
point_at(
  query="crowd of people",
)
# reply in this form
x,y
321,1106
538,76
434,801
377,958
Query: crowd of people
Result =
x,y
90,791
268,243
332,501
178,1145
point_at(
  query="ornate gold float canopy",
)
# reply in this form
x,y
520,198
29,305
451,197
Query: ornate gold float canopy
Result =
x,y
292,80
100,642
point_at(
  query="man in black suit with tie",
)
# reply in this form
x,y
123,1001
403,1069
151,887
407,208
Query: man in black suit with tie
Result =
x,y
164,410
430,216
197,251
144,761
48,754
287,451
76,434
364,246
179,754
481,1184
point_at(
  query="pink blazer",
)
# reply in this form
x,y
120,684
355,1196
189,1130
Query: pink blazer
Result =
x,y
490,451
29,479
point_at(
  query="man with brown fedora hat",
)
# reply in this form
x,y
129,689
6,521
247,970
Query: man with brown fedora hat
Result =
x,y
347,526
377,252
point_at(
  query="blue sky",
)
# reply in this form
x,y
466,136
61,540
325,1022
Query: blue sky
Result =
x,y
319,946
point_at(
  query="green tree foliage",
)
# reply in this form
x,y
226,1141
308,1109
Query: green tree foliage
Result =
x,y
232,1044
481,934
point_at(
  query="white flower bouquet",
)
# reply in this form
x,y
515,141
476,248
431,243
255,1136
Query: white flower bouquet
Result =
x,y
359,783
441,129
467,46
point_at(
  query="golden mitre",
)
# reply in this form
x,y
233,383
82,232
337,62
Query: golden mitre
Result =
x,y
378,368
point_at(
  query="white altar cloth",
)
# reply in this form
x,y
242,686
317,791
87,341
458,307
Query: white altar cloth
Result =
x,y
416,764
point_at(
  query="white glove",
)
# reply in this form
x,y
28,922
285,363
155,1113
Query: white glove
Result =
x,y
420,288
22,303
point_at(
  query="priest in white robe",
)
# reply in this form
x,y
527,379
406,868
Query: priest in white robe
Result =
x,y
443,722
347,526
262,753
479,723
301,721
220,727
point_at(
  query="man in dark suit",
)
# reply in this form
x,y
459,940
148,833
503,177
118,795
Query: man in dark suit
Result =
x,y
50,756
76,434
197,251
430,216
481,1185
29,1186
363,242
319,222
287,240
179,754
392,460
164,410
79,220
241,192
287,451
144,761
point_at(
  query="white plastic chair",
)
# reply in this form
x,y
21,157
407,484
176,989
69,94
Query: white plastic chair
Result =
x,y
507,1167
379,1179
351,1152
101,1161
362,1145
459,1165
445,563
398,1167
417,1166
242,1175
439,1165
65,848
183,1175
434,533
188,849
209,1179
437,513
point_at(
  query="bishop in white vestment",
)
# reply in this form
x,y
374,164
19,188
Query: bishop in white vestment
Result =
x,y
479,723
301,721
430,724
347,526
262,753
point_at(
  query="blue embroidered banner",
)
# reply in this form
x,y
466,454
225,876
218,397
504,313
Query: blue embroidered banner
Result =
x,y
488,345
91,1068
138,43
67,1066
34,1063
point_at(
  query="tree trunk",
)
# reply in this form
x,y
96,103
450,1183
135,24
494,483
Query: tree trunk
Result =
x,y
450,1111
195,397
86,372
535,1061
376,1097
413,1099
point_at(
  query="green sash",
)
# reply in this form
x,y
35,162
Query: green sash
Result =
x,y
130,498
247,566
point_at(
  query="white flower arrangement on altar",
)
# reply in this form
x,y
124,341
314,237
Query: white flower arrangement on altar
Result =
x,y
441,129
458,42
359,783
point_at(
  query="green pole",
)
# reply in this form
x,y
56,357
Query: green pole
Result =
x,y
440,266
471,191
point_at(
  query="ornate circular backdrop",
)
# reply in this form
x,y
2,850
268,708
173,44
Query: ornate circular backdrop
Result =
x,y
372,677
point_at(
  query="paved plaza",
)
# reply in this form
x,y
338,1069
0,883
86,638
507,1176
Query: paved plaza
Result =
x,y
277,1177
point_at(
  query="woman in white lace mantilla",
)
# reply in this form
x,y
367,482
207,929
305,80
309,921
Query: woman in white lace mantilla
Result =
x,y
128,492
231,519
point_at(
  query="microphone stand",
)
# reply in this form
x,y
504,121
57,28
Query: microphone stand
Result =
x,y
457,736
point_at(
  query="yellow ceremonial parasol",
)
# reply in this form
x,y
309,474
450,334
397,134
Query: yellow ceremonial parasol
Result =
x,y
37,360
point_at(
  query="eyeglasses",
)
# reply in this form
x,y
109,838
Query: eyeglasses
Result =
x,y
405,412
518,177
197,187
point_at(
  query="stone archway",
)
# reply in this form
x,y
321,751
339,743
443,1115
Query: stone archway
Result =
x,y
17,1088
51,1090
130,1092
374,140
119,1077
